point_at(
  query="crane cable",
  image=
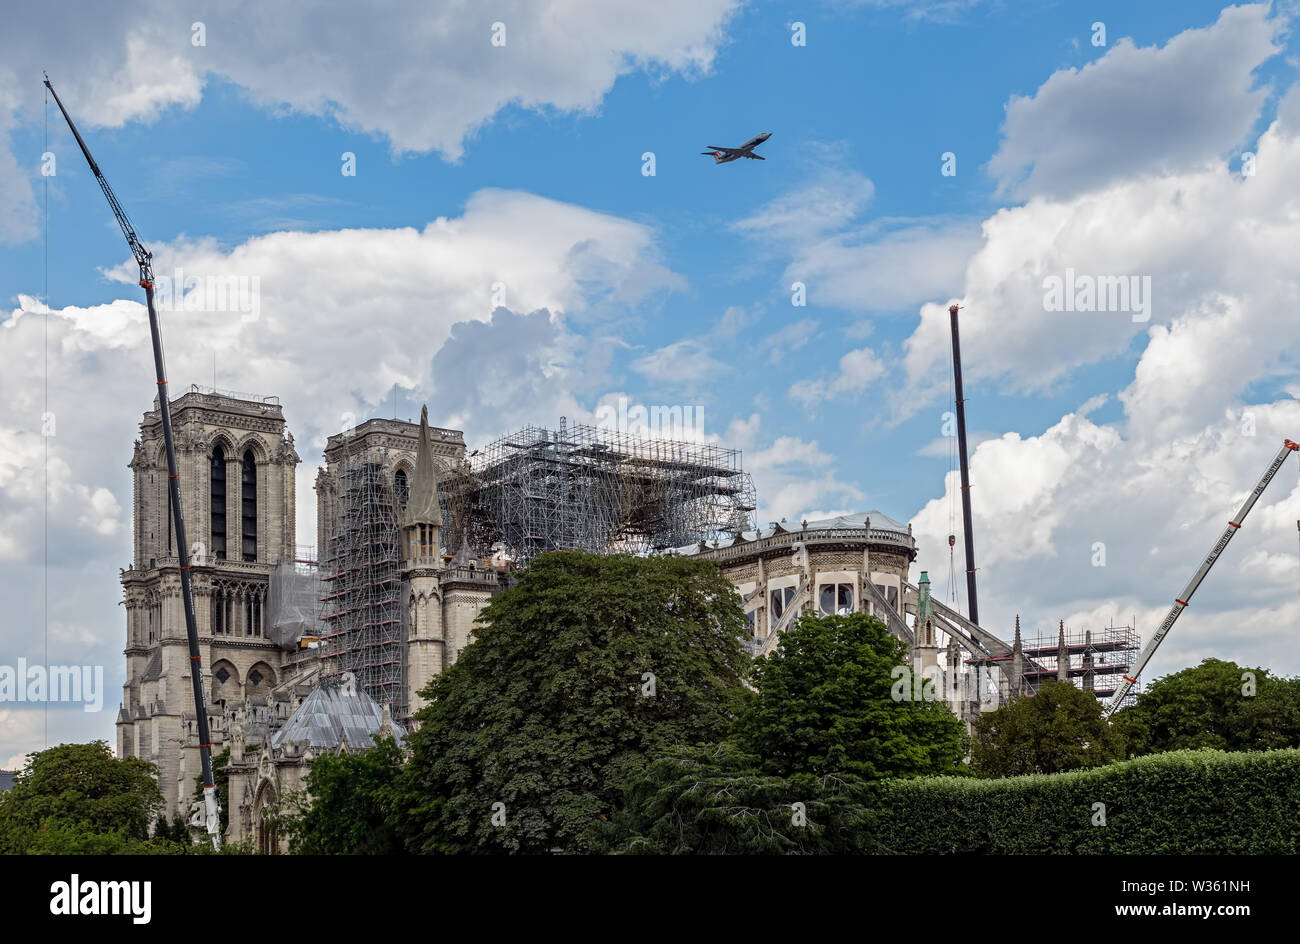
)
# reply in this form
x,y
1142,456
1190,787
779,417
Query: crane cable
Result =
x,y
45,440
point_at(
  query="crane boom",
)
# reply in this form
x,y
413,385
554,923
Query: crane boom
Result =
x,y
1185,597
144,259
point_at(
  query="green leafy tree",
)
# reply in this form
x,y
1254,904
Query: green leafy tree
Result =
x,y
827,702
348,806
79,798
1216,704
1058,729
579,674
711,801
175,830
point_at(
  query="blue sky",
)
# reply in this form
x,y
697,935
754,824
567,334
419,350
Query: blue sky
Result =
x,y
675,289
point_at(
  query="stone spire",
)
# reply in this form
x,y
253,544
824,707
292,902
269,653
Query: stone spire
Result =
x,y
1062,656
422,507
1017,680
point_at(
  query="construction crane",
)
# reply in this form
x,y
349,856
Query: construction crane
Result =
x,y
1185,597
144,259
971,600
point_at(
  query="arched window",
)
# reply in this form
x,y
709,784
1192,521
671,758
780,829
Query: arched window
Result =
x,y
400,486
217,500
248,490
218,611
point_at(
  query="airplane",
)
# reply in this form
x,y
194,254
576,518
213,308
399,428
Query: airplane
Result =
x,y
724,155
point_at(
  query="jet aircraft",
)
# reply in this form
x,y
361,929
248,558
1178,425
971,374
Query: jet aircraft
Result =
x,y
725,155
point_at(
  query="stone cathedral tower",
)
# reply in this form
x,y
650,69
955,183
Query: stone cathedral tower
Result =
x,y
442,594
236,464
422,567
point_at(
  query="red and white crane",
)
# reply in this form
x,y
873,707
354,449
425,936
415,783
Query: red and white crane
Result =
x,y
1185,597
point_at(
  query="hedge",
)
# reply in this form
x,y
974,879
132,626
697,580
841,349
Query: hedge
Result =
x,y
1168,804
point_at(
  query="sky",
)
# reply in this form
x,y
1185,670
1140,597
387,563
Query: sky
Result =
x,y
531,232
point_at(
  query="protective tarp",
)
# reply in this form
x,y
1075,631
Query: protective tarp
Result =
x,y
336,711
292,604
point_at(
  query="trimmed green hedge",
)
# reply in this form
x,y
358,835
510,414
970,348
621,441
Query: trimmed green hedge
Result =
x,y
1172,804
1175,803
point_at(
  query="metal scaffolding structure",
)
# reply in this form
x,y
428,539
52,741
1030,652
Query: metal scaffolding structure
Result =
x,y
362,602
1097,659
1094,660
587,488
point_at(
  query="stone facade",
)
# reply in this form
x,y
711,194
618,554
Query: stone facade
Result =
x,y
233,548
239,446
823,567
859,564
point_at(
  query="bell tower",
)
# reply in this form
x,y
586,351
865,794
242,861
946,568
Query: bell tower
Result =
x,y
236,463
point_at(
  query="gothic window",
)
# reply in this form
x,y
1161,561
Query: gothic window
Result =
x,y
248,491
222,675
218,503
252,614
400,486
218,612
254,676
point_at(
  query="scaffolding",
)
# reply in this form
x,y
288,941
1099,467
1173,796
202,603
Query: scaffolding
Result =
x,y
1094,660
588,488
361,605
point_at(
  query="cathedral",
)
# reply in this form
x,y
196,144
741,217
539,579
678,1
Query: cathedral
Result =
x,y
312,652
273,676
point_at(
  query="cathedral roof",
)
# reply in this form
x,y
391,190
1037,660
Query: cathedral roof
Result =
x,y
879,522
422,507
334,712
153,668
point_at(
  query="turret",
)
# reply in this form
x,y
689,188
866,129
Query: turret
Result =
x,y
422,573
422,517
1017,681
925,653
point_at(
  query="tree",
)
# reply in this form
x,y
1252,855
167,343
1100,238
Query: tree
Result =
x,y
1216,704
579,673
175,830
711,801
79,798
348,810
1058,729
826,703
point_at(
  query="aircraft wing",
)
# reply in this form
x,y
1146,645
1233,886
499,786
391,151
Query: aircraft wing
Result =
x,y
755,157
724,150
